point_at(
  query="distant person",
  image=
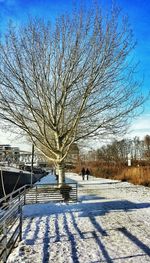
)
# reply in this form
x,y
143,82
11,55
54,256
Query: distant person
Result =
x,y
83,173
87,173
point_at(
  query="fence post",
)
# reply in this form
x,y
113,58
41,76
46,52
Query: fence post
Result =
x,y
5,242
11,199
76,192
20,223
25,195
36,194
19,202
19,196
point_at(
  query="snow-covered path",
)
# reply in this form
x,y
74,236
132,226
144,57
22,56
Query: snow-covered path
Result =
x,y
110,223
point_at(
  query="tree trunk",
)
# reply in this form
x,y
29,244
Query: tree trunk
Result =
x,y
60,171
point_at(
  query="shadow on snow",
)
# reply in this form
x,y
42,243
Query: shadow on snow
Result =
x,y
74,232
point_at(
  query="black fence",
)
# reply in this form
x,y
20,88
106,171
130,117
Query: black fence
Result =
x,y
7,201
10,229
43,193
11,209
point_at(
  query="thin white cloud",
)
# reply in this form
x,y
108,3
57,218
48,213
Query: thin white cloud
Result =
x,y
140,126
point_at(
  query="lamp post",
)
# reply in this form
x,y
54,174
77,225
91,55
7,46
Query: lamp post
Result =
x,y
32,160
129,159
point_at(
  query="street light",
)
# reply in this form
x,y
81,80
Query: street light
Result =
x,y
32,160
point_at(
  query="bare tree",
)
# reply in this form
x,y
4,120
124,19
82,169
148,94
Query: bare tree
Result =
x,y
147,146
116,151
69,80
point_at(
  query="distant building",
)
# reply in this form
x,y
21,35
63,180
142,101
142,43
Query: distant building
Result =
x,y
39,159
9,154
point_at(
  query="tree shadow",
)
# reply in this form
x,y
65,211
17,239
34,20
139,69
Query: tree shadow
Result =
x,y
36,232
100,208
74,254
46,242
81,235
135,240
90,197
96,207
130,257
97,226
28,228
57,234
94,235
98,183
102,247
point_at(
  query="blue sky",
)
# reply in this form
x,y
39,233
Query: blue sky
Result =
x,y
139,17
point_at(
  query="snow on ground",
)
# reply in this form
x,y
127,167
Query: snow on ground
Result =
x,y
110,223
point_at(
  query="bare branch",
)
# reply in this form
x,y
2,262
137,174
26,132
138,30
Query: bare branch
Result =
x,y
69,81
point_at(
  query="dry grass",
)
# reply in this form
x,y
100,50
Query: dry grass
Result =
x,y
136,175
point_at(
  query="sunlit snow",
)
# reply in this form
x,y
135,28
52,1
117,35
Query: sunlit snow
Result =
x,y
109,223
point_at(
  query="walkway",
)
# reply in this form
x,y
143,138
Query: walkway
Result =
x,y
110,223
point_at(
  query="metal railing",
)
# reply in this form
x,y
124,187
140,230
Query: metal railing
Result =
x,y
39,193
43,193
11,220
11,209
12,198
10,229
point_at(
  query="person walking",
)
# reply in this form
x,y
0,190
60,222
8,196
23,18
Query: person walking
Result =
x,y
83,173
87,173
